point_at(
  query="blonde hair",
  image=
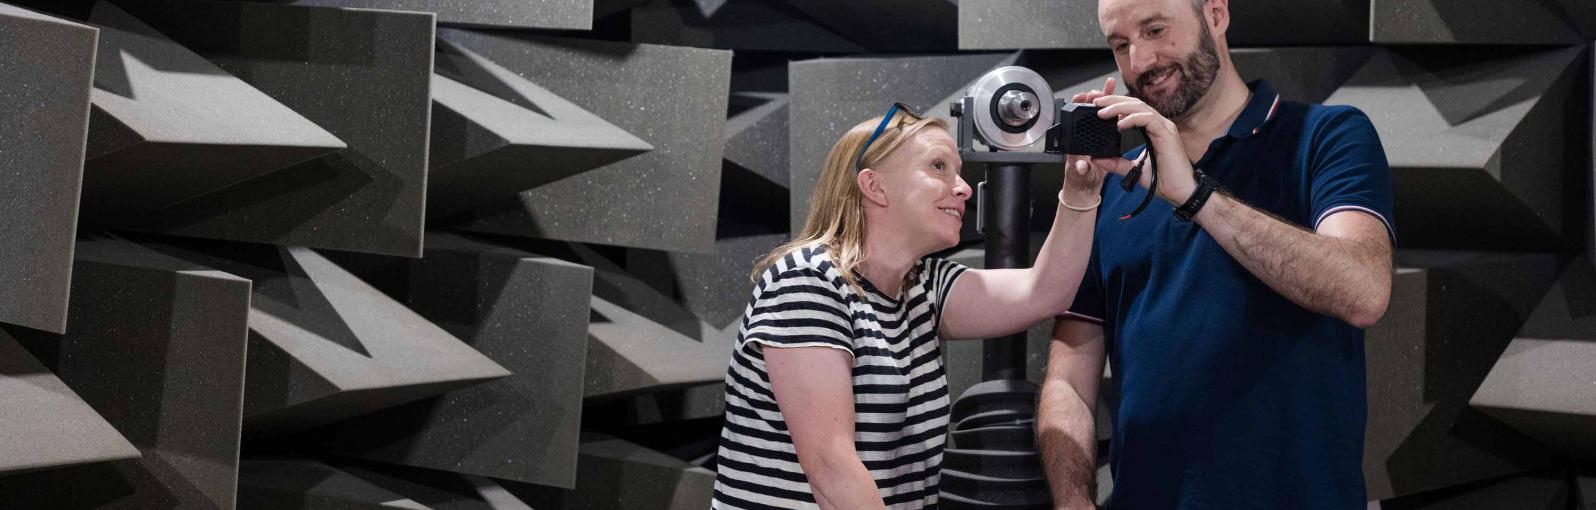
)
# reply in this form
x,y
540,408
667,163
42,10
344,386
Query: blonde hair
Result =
x,y
836,217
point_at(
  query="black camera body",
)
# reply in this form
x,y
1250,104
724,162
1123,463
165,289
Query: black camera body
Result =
x,y
1079,132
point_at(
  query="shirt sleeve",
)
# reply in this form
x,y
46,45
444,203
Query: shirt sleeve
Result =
x,y
1349,170
939,276
1088,303
797,307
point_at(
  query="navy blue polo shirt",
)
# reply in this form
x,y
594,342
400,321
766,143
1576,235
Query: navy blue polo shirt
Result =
x,y
1229,395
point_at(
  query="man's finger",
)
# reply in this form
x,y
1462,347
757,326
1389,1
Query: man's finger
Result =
x,y
1113,164
1147,119
1121,109
1108,88
1112,100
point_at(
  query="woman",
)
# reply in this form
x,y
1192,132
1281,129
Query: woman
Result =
x,y
836,396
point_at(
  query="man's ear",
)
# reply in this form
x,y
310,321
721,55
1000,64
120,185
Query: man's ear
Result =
x,y
1218,12
870,185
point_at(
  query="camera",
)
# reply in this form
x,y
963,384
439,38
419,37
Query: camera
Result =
x,y
1080,132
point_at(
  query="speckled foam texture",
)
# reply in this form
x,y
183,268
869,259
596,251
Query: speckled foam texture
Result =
x,y
527,313
1542,383
1526,491
889,26
300,483
156,346
168,125
743,26
672,98
324,345
829,96
46,65
1460,141
362,75
1072,24
1015,24
495,134
46,423
552,14
651,479
1478,22
756,139
1451,315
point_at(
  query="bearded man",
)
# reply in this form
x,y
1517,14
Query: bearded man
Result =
x,y
1232,310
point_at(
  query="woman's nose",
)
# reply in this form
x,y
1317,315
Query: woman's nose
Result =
x,y
961,189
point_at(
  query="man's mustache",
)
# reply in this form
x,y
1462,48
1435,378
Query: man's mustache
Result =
x,y
1142,81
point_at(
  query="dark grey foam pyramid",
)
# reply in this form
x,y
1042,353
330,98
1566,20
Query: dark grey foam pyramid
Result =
x,y
675,98
156,345
1475,138
49,65
529,314
363,75
551,14
1544,22
1542,385
168,125
495,134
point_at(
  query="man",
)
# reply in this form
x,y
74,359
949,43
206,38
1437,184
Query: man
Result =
x,y
1234,327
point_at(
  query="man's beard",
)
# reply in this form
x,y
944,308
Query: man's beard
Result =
x,y
1197,74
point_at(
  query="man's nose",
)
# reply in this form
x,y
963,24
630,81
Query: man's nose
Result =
x,y
1141,59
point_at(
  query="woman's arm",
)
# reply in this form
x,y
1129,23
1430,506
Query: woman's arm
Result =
x,y
986,303
995,302
814,390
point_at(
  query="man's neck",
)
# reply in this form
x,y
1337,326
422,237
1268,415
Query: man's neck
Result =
x,y
1212,116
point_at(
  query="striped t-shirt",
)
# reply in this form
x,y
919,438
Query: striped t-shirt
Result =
x,y
900,391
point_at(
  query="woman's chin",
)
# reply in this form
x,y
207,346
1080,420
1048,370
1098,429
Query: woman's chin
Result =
x,y
949,241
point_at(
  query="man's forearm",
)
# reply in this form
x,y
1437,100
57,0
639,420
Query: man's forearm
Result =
x,y
1066,438
1329,275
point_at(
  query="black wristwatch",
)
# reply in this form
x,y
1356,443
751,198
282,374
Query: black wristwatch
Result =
x,y
1205,188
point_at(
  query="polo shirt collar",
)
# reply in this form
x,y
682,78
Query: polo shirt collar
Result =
x,y
1258,111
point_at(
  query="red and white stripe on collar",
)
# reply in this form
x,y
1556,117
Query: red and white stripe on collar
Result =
x,y
1271,114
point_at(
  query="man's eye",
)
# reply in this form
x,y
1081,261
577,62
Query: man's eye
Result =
x,y
1155,32
939,166
1120,48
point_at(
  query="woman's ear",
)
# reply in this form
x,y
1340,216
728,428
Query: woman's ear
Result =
x,y
870,184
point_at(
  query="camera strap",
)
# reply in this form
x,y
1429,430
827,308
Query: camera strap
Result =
x,y
1135,175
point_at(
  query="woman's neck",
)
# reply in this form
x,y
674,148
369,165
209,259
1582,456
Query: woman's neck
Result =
x,y
887,260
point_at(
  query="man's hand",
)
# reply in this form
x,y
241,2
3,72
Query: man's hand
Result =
x,y
1175,180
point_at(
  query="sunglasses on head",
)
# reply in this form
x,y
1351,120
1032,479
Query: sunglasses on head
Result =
x,y
858,161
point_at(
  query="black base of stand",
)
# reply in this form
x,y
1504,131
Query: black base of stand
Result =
x,y
992,462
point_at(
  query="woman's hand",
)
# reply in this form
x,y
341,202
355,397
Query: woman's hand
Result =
x,y
1083,180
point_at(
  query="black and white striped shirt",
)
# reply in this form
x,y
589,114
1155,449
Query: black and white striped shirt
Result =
x,y
900,390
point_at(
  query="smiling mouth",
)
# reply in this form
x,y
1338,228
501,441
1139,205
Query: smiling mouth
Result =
x,y
952,212
1159,79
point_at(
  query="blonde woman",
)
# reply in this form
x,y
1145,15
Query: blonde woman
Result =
x,y
835,395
